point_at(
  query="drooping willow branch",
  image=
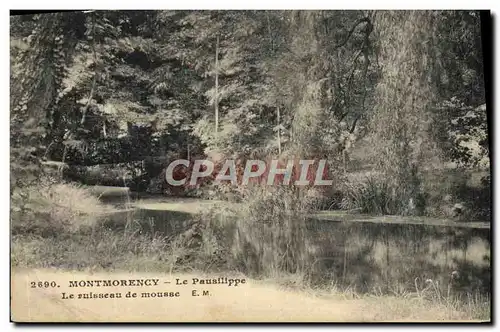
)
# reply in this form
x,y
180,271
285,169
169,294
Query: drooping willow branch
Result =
x,y
349,34
364,50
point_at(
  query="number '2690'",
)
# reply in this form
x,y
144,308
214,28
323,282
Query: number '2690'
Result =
x,y
43,284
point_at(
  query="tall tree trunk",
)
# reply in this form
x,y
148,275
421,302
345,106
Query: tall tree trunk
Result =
x,y
279,132
216,101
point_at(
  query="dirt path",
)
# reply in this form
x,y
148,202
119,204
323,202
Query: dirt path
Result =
x,y
249,302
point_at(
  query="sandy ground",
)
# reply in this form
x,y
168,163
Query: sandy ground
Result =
x,y
250,302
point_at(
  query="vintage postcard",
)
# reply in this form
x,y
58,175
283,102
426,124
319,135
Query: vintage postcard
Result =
x,y
250,166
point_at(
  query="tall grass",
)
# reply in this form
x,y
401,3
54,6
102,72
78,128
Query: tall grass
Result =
x,y
375,194
51,207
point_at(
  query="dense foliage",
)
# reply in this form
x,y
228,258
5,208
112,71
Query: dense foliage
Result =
x,y
122,87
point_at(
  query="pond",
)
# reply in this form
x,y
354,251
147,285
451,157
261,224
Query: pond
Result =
x,y
367,256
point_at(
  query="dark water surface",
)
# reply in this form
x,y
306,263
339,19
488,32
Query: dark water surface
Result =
x,y
390,258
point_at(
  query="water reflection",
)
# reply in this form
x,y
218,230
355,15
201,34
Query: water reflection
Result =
x,y
368,256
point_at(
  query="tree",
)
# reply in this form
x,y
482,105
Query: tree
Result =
x,y
39,68
404,94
